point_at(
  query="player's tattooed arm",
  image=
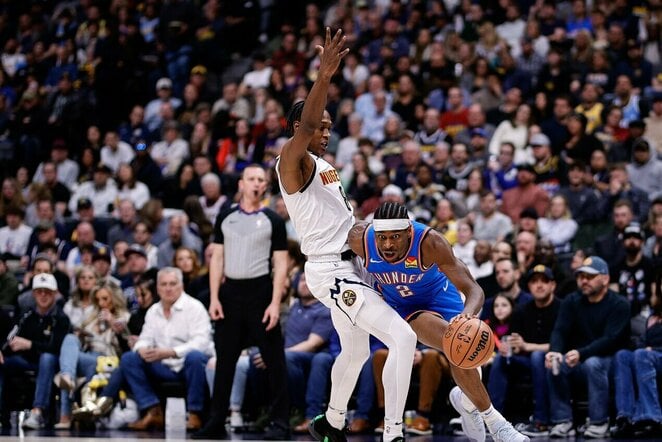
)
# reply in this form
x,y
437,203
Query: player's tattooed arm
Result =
x,y
355,237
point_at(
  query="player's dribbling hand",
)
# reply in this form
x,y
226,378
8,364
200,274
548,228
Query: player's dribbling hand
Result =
x,y
332,52
216,310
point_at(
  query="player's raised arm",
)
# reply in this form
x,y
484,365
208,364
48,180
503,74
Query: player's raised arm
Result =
x,y
437,251
293,172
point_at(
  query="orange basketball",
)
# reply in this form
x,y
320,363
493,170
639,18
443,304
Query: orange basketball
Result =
x,y
469,343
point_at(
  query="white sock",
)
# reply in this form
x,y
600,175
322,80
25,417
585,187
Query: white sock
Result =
x,y
336,418
491,417
392,429
466,403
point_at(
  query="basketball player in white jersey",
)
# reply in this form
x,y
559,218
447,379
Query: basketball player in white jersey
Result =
x,y
322,217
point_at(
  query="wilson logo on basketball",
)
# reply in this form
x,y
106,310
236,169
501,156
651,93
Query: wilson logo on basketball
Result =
x,y
482,343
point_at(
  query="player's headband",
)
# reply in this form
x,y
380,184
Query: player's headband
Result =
x,y
384,225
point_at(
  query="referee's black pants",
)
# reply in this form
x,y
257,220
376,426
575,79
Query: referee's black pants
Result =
x,y
244,302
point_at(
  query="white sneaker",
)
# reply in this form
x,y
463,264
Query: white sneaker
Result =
x,y
505,432
236,420
472,422
597,431
564,429
35,421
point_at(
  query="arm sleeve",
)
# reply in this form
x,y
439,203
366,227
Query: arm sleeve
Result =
x,y
218,231
279,234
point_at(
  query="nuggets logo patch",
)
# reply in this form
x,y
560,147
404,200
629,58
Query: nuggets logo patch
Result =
x,y
411,262
349,298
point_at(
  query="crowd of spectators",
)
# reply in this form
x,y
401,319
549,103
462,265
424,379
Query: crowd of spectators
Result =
x,y
528,132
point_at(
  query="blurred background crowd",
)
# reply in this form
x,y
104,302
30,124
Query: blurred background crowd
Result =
x,y
528,132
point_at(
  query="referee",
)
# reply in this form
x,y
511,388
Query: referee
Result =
x,y
245,303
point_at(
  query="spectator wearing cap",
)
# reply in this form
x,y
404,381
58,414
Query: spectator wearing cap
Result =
x,y
102,261
8,284
592,325
530,332
36,346
153,118
137,265
15,236
653,131
647,168
548,166
198,78
633,275
102,191
171,151
115,151
45,232
526,194
67,169
146,170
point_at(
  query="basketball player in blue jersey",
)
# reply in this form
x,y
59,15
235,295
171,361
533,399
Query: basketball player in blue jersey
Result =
x,y
417,274
322,218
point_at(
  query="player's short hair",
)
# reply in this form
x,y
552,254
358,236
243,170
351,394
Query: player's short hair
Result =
x,y
294,115
391,210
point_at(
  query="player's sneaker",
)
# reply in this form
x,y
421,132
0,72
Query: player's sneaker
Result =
x,y
505,432
322,430
472,422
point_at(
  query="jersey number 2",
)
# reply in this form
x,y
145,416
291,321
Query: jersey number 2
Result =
x,y
404,290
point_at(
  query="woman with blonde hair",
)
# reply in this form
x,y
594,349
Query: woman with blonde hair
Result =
x,y
558,226
98,335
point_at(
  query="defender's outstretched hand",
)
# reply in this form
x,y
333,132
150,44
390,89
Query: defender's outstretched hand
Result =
x,y
332,52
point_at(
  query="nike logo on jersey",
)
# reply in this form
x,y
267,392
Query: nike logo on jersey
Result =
x,y
376,261
446,285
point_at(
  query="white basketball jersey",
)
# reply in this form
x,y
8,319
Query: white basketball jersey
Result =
x,y
321,214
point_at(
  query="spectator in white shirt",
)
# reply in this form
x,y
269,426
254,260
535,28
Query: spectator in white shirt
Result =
x,y
102,191
116,151
175,344
15,236
67,170
211,200
170,152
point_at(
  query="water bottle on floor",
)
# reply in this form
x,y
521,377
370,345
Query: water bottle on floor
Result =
x,y
175,418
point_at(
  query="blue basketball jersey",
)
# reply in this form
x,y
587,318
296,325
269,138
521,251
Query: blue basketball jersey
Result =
x,y
407,285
